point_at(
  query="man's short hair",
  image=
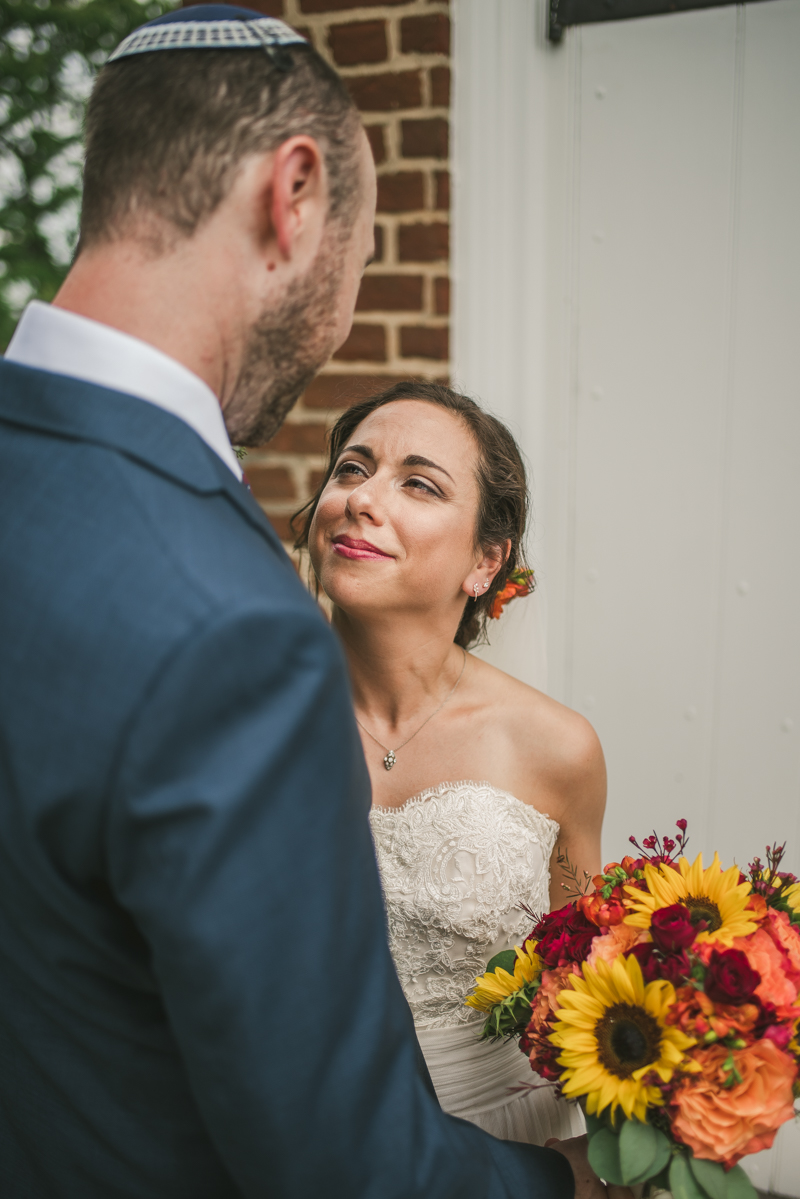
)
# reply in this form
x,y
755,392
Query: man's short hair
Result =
x,y
166,131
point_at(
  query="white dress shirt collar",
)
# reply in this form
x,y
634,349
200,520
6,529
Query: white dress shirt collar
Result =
x,y
52,339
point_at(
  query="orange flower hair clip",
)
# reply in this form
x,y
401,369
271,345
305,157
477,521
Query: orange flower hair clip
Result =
x,y
519,582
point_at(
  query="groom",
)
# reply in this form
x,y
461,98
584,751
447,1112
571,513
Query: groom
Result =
x,y
196,995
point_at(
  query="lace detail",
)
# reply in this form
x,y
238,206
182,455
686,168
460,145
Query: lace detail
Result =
x,y
455,862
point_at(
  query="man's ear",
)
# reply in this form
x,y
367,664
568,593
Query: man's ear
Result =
x,y
298,194
486,568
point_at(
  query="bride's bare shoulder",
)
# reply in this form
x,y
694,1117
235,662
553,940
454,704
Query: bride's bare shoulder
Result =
x,y
542,736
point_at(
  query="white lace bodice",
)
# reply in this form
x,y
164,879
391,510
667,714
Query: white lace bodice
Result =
x,y
455,862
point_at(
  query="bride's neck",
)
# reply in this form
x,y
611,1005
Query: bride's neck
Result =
x,y
398,669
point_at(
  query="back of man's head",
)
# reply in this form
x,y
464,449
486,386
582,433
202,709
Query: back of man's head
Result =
x,y
167,130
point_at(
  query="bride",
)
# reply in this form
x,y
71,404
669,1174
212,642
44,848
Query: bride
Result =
x,y
478,780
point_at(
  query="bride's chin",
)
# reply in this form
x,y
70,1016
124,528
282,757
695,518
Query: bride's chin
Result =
x,y
357,602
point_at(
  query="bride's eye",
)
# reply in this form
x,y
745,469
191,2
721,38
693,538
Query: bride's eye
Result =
x,y
421,485
354,469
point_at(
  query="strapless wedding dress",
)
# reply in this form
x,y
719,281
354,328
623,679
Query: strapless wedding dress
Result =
x,y
455,862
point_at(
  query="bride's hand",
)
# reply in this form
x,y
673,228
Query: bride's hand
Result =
x,y
587,1184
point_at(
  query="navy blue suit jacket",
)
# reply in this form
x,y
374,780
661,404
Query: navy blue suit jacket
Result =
x,y
196,995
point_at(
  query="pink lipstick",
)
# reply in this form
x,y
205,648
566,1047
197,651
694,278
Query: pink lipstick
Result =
x,y
350,547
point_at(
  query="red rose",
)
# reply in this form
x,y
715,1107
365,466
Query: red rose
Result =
x,y
549,1070
672,929
543,1057
553,949
551,921
674,967
580,943
730,977
551,933
646,957
563,936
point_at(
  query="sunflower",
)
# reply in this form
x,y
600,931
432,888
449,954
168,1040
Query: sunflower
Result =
x,y
613,1036
492,988
715,898
792,897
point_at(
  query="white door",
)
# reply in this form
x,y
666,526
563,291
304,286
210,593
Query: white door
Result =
x,y
627,288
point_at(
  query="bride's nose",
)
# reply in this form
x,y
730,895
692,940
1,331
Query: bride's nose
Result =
x,y
364,501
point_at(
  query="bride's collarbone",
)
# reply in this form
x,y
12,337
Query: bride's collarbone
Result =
x,y
503,736
418,770
406,782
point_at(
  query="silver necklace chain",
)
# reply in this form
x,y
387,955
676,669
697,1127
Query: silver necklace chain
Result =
x,y
391,754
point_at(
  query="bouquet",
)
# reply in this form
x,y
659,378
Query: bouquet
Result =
x,y
667,1002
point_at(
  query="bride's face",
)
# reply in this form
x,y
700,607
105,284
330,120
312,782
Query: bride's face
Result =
x,y
394,529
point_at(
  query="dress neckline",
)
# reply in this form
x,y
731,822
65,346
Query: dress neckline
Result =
x,y
422,797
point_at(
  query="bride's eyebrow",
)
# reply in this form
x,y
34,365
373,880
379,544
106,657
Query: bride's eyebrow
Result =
x,y
409,460
418,460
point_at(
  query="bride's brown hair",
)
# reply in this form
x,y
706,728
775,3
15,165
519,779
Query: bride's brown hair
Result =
x,y
503,489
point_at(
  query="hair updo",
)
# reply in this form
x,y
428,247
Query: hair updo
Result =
x,y
503,490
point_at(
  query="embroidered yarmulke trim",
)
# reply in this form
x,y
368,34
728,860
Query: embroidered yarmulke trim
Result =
x,y
208,35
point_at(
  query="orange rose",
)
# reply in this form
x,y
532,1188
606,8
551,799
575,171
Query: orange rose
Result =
x,y
787,938
619,939
546,999
772,964
724,1124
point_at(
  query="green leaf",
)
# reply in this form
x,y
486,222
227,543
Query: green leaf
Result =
x,y
682,1182
711,1176
511,1016
637,1150
721,1185
739,1185
659,1162
505,960
604,1156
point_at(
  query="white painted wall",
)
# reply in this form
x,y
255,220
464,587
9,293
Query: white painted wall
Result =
x,y
627,297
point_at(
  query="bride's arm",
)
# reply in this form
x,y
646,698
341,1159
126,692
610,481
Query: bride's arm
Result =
x,y
581,795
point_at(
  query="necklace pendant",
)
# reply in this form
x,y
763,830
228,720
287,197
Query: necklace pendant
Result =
x,y
389,760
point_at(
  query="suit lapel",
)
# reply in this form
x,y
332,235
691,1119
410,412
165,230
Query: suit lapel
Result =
x,y
71,408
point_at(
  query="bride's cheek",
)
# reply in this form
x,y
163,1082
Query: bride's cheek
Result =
x,y
331,505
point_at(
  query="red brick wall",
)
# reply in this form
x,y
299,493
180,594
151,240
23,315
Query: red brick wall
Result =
x,y
395,58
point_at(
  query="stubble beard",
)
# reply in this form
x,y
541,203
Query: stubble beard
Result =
x,y
287,347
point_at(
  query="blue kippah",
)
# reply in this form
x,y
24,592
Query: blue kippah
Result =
x,y
208,27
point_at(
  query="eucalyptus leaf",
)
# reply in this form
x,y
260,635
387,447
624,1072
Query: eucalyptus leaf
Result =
x,y
637,1150
711,1176
505,959
739,1185
682,1182
604,1156
661,1160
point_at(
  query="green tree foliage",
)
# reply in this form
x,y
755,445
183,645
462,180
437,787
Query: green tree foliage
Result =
x,y
50,51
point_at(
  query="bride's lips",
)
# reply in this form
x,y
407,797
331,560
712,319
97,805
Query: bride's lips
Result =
x,y
349,547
